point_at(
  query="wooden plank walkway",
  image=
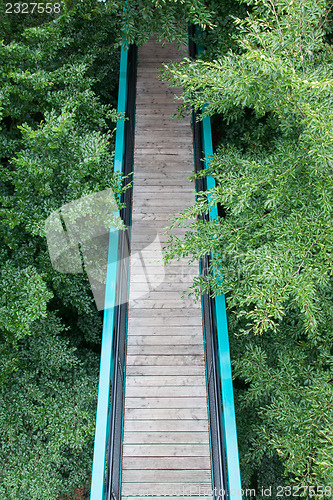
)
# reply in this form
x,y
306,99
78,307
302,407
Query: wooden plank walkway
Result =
x,y
166,447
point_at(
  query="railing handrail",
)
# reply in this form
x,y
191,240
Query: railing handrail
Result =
x,y
229,417
224,360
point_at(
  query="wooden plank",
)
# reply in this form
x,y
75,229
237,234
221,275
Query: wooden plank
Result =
x,y
159,200
165,426
166,55
165,287
155,288
165,360
154,249
146,235
156,240
181,140
177,170
180,144
152,172
166,350
155,156
143,289
185,278
154,70
159,88
173,105
180,172
151,267
164,204
150,104
164,295
166,450
163,219
190,402
159,211
165,330
169,316
161,52
163,476
154,275
168,490
154,262
161,290
160,122
161,129
154,81
167,117
161,222
167,111
165,392
159,274
139,244
166,437
177,463
154,253
149,57
158,229
153,256
168,100
149,178
164,370
180,134
165,200
139,228
154,94
161,304
164,340
161,381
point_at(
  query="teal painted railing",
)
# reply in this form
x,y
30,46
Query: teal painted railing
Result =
x,y
106,365
228,414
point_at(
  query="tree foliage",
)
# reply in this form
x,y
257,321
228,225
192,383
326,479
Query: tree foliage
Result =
x,y
167,19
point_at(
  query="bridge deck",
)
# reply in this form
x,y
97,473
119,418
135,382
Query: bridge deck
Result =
x,y
166,447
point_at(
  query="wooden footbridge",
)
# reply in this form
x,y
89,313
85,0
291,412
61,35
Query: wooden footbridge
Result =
x,y
166,438
162,431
